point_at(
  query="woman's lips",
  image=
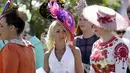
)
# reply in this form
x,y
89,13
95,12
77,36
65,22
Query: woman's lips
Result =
x,y
95,30
82,26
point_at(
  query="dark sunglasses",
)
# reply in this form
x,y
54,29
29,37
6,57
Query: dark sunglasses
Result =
x,y
120,32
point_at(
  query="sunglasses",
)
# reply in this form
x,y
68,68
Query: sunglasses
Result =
x,y
120,32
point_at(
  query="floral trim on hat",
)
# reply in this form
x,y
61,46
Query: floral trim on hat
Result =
x,y
105,18
63,16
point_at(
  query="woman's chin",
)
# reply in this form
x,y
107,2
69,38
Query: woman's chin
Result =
x,y
97,34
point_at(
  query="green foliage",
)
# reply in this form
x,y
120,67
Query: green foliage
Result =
x,y
90,2
114,4
38,24
1,9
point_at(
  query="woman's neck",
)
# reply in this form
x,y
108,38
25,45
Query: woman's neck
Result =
x,y
15,37
106,37
60,46
88,34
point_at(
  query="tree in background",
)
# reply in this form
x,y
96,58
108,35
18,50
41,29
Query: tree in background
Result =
x,y
38,24
115,4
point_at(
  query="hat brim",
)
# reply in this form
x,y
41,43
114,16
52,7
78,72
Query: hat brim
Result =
x,y
68,22
71,35
120,23
90,13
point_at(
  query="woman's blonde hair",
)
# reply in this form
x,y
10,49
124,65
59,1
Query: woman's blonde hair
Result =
x,y
50,40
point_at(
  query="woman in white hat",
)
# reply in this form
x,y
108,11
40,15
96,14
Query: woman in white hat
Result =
x,y
109,53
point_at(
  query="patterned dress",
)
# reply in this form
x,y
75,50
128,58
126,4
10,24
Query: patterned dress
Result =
x,y
109,57
85,45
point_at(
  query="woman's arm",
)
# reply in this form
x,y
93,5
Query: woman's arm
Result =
x,y
78,61
46,64
121,58
74,42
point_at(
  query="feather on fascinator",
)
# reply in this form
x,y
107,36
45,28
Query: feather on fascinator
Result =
x,y
63,16
44,9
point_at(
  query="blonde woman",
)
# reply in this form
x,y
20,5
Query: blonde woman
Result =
x,y
62,56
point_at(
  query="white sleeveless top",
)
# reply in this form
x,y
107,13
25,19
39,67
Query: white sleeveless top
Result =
x,y
66,65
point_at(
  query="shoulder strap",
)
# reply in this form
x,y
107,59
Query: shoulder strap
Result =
x,y
50,51
72,48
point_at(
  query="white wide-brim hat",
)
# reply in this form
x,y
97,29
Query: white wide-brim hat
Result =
x,y
104,17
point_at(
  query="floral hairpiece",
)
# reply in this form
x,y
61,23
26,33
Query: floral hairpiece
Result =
x,y
63,16
105,18
44,9
9,5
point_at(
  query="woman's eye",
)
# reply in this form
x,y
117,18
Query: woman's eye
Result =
x,y
64,30
85,19
57,31
79,18
1,25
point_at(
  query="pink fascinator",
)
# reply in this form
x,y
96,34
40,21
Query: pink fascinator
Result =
x,y
63,16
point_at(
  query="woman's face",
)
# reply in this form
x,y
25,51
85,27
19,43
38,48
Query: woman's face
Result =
x,y
84,24
5,31
98,30
60,33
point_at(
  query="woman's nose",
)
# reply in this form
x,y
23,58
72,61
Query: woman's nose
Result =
x,y
93,27
62,33
81,22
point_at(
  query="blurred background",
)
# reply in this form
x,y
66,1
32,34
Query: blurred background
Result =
x,y
38,25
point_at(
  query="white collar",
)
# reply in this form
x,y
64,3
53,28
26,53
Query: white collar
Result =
x,y
17,41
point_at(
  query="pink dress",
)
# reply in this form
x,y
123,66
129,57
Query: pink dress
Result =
x,y
109,57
